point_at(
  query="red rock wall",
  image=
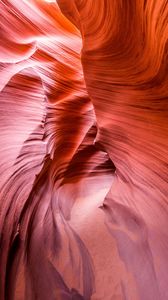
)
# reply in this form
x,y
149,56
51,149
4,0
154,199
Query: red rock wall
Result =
x,y
83,172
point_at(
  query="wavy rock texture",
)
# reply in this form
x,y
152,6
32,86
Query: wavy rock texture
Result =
x,y
83,157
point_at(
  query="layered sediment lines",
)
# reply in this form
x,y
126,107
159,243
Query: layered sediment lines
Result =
x,y
84,136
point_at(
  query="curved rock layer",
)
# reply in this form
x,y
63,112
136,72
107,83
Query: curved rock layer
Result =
x,y
83,156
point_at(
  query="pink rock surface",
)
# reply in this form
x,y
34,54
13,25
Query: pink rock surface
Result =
x,y
83,156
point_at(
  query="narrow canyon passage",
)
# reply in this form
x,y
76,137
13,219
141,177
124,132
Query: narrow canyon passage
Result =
x,y
84,150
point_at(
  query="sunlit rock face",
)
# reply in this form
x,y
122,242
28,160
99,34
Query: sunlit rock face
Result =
x,y
83,156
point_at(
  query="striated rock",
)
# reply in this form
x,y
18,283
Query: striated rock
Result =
x,y
84,136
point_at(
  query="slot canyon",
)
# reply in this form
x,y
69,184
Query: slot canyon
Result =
x,y
84,150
